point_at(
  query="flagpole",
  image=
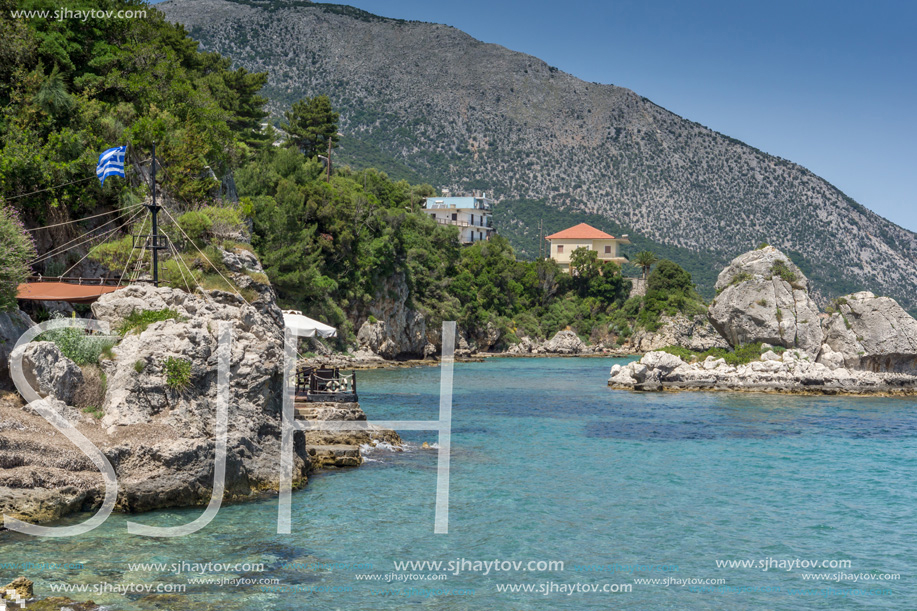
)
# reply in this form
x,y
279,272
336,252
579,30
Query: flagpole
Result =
x,y
154,211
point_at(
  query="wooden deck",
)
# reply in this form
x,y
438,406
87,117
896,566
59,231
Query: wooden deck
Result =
x,y
325,385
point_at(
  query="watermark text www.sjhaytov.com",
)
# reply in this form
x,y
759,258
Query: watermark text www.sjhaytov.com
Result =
x,y
64,14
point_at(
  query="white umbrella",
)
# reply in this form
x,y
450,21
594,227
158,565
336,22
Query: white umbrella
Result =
x,y
305,326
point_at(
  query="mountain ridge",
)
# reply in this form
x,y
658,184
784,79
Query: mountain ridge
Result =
x,y
472,115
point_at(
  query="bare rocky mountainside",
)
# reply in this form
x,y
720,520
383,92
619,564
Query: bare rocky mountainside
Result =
x,y
427,101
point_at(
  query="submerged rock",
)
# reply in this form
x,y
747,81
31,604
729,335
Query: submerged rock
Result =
x,y
763,297
21,588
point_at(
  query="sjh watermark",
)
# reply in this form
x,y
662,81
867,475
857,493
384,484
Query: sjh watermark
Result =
x,y
289,425
63,14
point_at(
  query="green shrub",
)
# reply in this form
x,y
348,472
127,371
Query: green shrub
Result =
x,y
259,277
139,320
741,355
94,411
740,278
683,353
195,224
178,373
783,271
669,277
139,366
78,345
223,220
17,250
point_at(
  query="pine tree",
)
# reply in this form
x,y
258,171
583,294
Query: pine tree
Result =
x,y
311,123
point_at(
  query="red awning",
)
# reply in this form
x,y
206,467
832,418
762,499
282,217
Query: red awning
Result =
x,y
63,291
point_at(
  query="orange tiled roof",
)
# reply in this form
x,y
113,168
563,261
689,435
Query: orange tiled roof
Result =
x,y
63,291
580,232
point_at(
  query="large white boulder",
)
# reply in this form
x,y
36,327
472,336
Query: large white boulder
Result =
x,y
565,342
662,361
872,333
49,372
763,297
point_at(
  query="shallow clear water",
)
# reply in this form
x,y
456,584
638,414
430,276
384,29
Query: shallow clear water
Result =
x,y
548,464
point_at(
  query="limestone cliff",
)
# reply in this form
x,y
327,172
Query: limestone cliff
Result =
x,y
763,297
158,429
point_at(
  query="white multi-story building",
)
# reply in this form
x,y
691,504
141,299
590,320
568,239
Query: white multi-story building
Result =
x,y
472,214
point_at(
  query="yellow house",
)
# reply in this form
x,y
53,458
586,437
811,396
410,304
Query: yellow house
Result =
x,y
563,243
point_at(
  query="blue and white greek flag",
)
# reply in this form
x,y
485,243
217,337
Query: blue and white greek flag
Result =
x,y
111,163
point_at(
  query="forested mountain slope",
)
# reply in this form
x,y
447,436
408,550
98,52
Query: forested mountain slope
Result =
x,y
428,101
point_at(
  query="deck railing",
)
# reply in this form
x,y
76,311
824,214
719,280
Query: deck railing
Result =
x,y
314,384
462,224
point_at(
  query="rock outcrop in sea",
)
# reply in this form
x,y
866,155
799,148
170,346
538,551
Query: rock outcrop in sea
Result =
x,y
343,448
764,297
692,333
793,371
864,344
872,333
563,343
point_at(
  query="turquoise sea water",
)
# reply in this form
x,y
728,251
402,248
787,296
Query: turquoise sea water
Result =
x,y
548,464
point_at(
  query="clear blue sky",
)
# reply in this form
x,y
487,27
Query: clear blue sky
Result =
x,y
831,85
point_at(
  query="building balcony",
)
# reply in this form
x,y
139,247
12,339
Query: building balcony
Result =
x,y
463,224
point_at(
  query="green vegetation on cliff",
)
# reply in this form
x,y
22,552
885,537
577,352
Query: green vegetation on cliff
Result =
x,y
330,249
17,249
457,112
73,88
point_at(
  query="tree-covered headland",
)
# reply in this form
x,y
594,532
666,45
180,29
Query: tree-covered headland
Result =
x,y
330,246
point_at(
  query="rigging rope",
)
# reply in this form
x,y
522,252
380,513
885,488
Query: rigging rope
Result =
x,y
228,283
50,188
131,255
178,262
135,273
66,246
88,252
128,209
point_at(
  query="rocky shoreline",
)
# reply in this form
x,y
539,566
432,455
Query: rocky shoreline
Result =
x,y
154,419
563,344
862,344
790,372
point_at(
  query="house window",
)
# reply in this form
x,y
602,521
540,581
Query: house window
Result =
x,y
472,219
608,250
454,216
560,249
